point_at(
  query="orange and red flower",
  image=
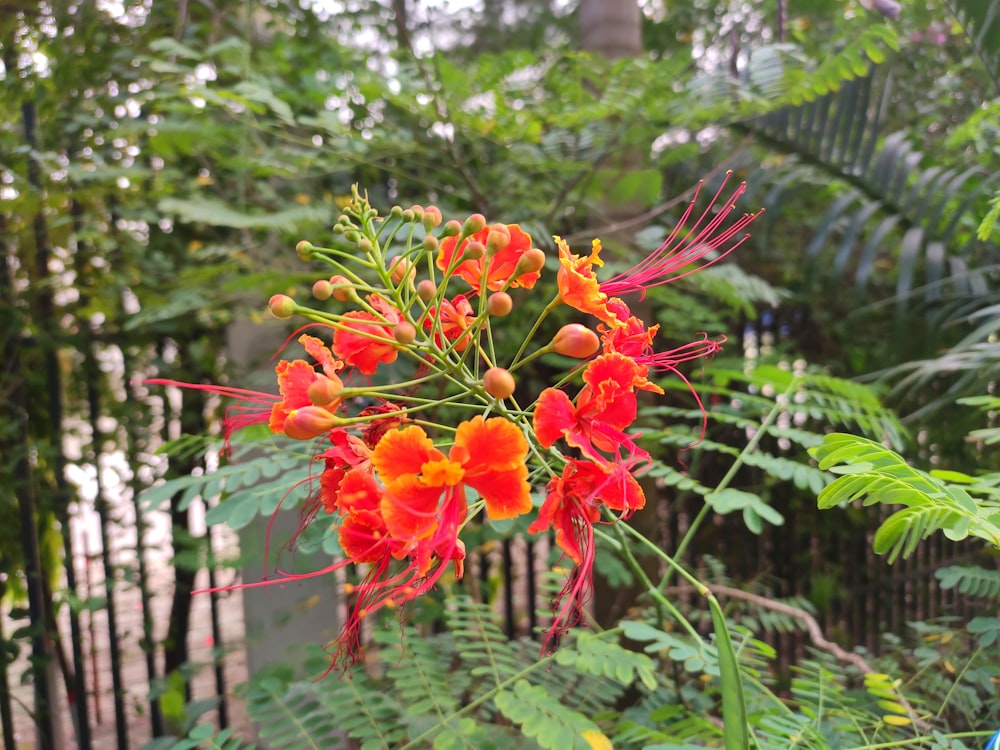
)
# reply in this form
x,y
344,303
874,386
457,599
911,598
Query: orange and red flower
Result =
x,y
572,506
487,455
498,264
451,322
365,340
605,406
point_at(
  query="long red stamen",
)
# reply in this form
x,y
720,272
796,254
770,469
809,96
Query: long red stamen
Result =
x,y
676,253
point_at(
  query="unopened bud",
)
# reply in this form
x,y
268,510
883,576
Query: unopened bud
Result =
x,y
430,243
497,239
322,290
451,228
432,218
575,340
418,212
499,304
342,289
281,306
396,211
426,290
304,250
308,422
408,215
401,268
474,251
325,390
531,261
404,333
499,383
365,246
475,223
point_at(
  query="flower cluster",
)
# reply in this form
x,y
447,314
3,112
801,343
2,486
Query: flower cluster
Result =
x,y
428,297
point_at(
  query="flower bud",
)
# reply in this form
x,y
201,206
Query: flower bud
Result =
x,y
304,250
430,243
426,290
404,333
499,304
499,383
408,215
575,340
343,289
533,260
451,228
365,246
352,235
497,239
474,251
475,223
418,212
308,422
396,211
432,218
324,390
322,290
401,268
281,306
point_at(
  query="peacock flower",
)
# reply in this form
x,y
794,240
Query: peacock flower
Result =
x,y
487,456
688,248
498,266
365,340
452,321
605,406
572,506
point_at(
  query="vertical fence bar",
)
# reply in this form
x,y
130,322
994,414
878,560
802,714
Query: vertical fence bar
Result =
x,y
6,710
218,645
101,506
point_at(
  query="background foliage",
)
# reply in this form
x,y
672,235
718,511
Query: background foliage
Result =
x,y
160,161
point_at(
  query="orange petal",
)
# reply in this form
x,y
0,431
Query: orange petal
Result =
x,y
491,444
402,452
362,537
506,493
410,509
358,491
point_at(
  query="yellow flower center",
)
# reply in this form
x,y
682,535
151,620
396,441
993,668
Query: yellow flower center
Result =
x,y
442,473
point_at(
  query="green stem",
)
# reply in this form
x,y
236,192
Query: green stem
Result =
x,y
534,329
730,475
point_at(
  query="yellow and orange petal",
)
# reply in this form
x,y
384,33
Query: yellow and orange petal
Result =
x,y
578,286
403,453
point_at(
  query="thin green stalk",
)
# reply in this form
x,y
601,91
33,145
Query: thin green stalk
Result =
x,y
750,447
